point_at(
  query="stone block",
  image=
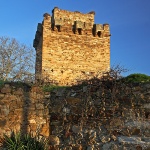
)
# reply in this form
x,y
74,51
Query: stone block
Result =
x,y
2,123
6,90
54,140
98,27
36,89
45,130
2,95
106,27
79,24
135,131
33,126
73,100
4,111
88,26
58,22
18,111
19,92
39,106
116,122
147,106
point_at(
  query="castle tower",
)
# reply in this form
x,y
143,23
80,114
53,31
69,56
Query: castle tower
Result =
x,y
70,47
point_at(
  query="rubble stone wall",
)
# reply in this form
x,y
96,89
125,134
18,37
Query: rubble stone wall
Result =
x,y
101,116
98,116
71,47
23,110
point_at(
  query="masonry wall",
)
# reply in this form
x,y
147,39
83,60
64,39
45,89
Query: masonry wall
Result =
x,y
101,115
23,109
98,115
72,48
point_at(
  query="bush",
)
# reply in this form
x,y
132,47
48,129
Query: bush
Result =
x,y
137,78
25,142
2,83
49,88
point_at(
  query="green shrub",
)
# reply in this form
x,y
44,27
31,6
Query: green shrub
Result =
x,y
49,88
137,78
24,142
1,83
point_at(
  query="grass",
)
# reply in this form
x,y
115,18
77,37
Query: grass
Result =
x,y
24,142
1,83
50,88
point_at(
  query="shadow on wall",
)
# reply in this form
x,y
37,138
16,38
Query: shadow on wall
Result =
x,y
24,128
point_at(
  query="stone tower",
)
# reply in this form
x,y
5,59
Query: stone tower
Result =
x,y
71,47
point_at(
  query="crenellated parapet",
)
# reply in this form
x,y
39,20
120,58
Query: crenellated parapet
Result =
x,y
72,22
68,17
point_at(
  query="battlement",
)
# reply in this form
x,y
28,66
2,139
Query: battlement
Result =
x,y
63,17
70,43
71,23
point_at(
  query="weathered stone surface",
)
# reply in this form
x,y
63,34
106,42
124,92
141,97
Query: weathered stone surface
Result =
x,y
18,112
6,89
19,92
133,140
39,106
36,89
2,95
116,122
147,105
76,129
2,122
53,140
135,131
73,101
45,130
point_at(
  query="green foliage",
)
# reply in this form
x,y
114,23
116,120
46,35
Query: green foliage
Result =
x,y
49,88
19,84
2,83
25,142
137,78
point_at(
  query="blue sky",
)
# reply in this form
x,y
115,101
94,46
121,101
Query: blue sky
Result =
x,y
129,24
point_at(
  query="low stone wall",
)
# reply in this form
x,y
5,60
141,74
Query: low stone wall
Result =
x,y
96,116
23,110
101,116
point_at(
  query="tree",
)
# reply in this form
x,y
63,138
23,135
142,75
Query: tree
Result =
x,y
16,60
137,78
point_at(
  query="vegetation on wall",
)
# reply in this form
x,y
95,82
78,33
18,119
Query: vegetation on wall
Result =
x,y
24,142
137,78
49,88
1,83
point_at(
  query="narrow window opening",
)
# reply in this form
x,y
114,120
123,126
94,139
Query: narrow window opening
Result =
x,y
53,26
58,28
99,33
93,32
147,114
80,31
